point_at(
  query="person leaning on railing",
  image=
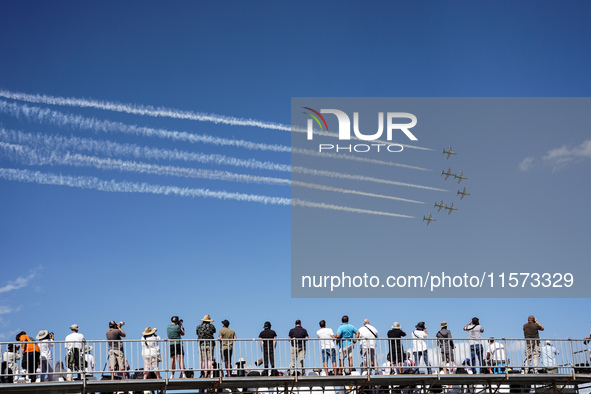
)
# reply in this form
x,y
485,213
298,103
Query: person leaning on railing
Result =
x,y
31,355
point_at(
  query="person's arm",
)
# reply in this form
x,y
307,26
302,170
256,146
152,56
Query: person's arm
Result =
x,y
274,342
538,323
182,330
481,329
121,332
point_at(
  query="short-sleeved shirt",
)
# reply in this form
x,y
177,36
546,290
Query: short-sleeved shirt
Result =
x,y
368,334
113,334
206,330
298,332
497,351
227,333
268,334
532,330
346,331
31,347
173,331
327,335
474,333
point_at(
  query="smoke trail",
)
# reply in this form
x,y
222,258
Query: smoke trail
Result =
x,y
331,174
93,183
61,119
158,112
116,149
33,157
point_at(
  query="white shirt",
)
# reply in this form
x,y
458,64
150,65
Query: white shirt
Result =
x,y
328,335
89,358
150,347
418,345
46,348
366,333
74,340
497,351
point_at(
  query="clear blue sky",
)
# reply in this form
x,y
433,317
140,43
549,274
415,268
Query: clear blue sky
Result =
x,y
71,255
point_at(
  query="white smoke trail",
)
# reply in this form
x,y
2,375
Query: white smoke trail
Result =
x,y
93,183
44,115
131,150
157,112
85,182
115,149
34,157
332,174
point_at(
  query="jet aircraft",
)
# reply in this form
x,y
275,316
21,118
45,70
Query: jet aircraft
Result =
x,y
440,205
450,208
429,219
448,152
463,193
447,174
460,177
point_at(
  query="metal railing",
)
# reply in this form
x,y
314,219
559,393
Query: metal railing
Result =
x,y
254,357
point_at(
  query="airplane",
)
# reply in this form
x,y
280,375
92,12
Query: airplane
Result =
x,y
440,205
429,219
450,208
449,152
463,193
460,177
447,174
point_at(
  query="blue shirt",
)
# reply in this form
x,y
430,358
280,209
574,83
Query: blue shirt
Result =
x,y
346,330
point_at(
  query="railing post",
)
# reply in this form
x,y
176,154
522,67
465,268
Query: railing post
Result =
x,y
572,355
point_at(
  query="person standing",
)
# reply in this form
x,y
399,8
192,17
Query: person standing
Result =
x,y
116,352
397,354
327,347
476,349
31,355
446,346
205,332
346,332
268,342
367,335
496,356
174,332
89,361
11,357
45,339
298,347
74,344
549,356
151,351
531,332
227,337
419,348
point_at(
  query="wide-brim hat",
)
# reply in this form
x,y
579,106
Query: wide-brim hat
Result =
x,y
396,325
149,331
443,324
74,327
240,360
87,349
42,335
207,318
420,325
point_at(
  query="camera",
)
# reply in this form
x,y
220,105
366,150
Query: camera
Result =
x,y
121,323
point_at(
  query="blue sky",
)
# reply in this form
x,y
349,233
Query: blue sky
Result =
x,y
73,255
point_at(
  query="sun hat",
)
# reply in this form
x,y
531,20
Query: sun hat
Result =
x,y
396,325
149,331
420,326
42,335
443,324
207,318
74,327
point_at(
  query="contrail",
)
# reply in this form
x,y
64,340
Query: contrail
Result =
x,y
116,149
85,182
332,174
163,112
44,115
33,157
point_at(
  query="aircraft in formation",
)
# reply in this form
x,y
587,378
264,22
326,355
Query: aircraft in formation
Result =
x,y
463,193
447,174
448,152
450,208
439,206
429,219
460,177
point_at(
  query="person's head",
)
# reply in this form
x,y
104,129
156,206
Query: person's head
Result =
x,y
548,343
491,340
345,319
443,324
267,325
112,324
531,319
10,347
475,321
74,327
322,324
421,326
19,335
298,322
149,331
225,323
365,322
174,320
